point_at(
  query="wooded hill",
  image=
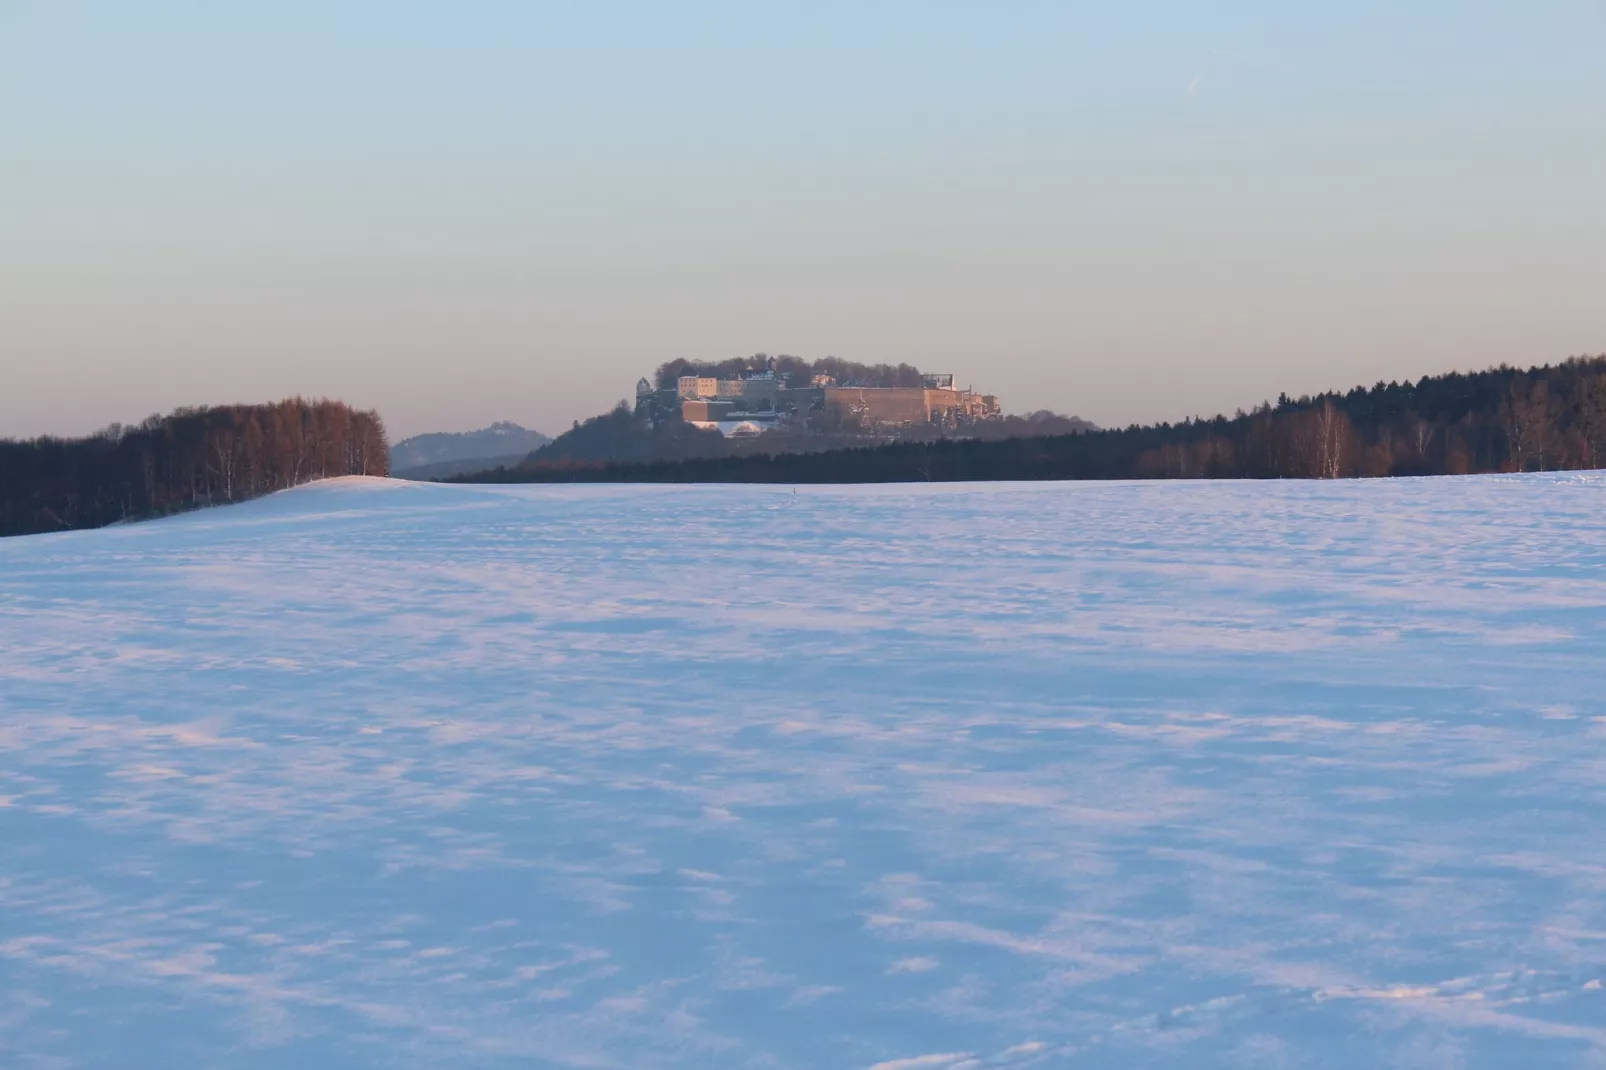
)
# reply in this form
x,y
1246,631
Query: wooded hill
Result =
x,y
1501,420
457,452
191,458
621,437
625,436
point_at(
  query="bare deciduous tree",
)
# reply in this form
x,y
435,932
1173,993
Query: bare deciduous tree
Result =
x,y
1589,418
1526,419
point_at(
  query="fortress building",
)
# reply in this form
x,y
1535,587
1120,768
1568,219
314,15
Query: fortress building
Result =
x,y
762,401
901,406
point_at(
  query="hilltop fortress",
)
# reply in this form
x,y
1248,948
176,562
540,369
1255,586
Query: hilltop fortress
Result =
x,y
757,400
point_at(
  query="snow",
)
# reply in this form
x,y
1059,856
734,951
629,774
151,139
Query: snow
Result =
x,y
939,777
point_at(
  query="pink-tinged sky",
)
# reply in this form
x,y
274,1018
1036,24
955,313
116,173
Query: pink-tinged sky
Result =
x,y
459,213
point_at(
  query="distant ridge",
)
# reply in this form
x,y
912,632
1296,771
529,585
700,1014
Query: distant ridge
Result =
x,y
440,454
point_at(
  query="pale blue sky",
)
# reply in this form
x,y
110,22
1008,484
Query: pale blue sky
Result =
x,y
461,212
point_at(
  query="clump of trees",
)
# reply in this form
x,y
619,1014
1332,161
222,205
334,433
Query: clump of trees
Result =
x,y
1501,420
800,371
188,459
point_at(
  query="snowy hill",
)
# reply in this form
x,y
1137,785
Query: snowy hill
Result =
x,y
372,773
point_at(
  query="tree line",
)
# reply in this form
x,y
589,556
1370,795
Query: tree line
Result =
x,y
1504,419
191,458
800,371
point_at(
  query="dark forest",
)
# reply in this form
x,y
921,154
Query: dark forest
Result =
x,y
1500,420
191,458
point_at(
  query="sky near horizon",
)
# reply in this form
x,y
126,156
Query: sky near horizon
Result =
x,y
460,213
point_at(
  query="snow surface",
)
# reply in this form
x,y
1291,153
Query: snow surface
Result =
x,y
936,777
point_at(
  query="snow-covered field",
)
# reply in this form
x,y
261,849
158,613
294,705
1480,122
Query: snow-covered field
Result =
x,y
938,777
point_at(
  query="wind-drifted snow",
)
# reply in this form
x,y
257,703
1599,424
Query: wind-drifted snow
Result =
x,y
938,777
